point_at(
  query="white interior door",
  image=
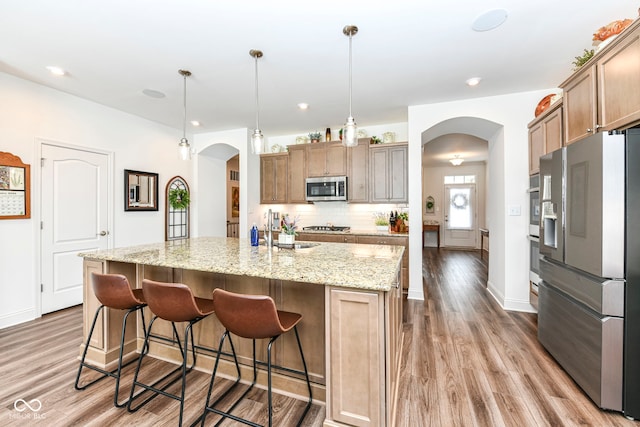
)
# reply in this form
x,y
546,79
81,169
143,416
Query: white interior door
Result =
x,y
74,219
460,228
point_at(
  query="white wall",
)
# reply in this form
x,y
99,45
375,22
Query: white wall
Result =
x,y
508,182
29,113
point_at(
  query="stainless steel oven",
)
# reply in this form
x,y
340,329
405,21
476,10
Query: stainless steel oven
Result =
x,y
534,262
534,205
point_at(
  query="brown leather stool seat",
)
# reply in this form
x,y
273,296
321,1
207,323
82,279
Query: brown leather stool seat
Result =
x,y
253,317
112,291
173,302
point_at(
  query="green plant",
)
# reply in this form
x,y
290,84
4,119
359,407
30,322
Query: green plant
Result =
x,y
403,216
315,135
581,60
382,221
376,140
289,225
179,198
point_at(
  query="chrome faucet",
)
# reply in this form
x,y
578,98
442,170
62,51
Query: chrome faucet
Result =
x,y
268,233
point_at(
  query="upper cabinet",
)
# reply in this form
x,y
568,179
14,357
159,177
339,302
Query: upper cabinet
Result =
x,y
388,173
274,178
358,172
297,173
326,159
545,135
605,93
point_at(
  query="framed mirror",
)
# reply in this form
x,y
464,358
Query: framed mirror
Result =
x,y
140,191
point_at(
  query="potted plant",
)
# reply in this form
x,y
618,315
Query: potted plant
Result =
x,y
314,136
288,231
381,221
179,198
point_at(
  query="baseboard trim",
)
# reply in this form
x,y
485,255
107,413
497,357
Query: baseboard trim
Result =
x,y
17,317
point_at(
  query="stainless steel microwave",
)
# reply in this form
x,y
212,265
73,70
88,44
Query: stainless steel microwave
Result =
x,y
330,188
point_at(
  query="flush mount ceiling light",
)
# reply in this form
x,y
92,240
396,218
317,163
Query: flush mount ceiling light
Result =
x,y
350,130
183,146
456,161
56,71
257,139
489,20
195,123
473,81
303,106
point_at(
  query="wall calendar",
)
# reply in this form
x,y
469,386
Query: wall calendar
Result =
x,y
15,187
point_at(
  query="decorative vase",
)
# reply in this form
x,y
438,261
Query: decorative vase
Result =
x,y
286,239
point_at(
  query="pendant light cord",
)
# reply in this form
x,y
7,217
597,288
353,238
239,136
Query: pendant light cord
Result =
x,y
257,101
350,76
184,121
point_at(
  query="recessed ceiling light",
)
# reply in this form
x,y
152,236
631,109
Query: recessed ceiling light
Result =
x,y
303,106
473,81
153,93
195,123
489,20
56,71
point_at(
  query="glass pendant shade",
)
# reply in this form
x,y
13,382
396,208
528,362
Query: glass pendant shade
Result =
x,y
350,133
184,149
257,142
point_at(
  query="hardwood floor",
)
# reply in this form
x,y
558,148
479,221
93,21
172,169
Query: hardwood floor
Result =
x,y
467,362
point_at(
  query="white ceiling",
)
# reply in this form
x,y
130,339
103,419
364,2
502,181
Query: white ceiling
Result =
x,y
405,53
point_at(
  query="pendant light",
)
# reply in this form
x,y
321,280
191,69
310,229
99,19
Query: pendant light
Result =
x,y
350,130
183,146
257,138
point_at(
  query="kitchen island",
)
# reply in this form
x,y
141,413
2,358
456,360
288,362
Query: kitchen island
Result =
x,y
350,296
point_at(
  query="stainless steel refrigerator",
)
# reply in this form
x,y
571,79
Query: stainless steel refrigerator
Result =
x,y
589,295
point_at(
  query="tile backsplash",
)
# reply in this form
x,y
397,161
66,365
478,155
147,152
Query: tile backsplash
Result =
x,y
356,216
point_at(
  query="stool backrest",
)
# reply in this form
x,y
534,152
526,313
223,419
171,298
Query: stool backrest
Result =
x,y
113,290
170,301
248,316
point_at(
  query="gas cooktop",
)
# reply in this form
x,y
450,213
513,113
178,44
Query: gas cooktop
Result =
x,y
325,228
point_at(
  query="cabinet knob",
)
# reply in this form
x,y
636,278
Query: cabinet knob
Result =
x,y
589,130
598,126
104,233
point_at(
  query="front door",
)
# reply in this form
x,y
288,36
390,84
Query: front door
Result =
x,y
460,216
75,209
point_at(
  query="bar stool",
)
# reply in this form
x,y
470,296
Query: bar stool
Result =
x,y
253,317
173,302
112,291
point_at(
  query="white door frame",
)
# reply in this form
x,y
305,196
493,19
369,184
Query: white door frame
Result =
x,y
36,205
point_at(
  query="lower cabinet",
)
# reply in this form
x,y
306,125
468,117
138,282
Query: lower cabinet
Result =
x,y
364,367
331,238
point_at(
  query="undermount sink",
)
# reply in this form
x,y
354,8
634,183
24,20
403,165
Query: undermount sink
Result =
x,y
296,245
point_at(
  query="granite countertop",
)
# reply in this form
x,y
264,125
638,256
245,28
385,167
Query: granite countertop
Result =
x,y
371,267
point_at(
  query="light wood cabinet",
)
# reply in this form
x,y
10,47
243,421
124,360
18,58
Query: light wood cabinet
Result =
x,y
274,178
605,93
361,387
388,173
297,173
545,135
326,159
358,172
326,237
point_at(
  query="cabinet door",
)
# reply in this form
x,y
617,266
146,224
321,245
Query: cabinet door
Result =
x,y
619,84
273,178
297,174
398,191
580,105
336,159
316,159
378,171
358,172
536,147
552,132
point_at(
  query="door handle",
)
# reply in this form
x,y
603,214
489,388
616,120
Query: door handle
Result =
x,y
104,233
